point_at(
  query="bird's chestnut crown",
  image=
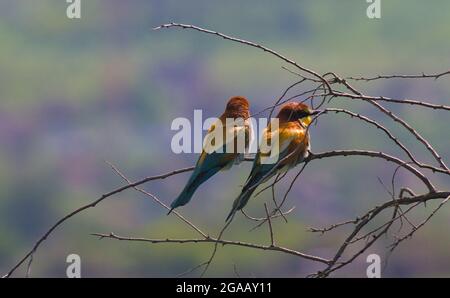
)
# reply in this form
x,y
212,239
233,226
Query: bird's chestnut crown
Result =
x,y
295,111
237,101
237,106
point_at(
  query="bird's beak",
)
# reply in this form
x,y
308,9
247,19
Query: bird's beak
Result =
x,y
315,112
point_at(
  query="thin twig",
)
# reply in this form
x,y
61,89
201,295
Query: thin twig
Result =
x,y
401,76
272,243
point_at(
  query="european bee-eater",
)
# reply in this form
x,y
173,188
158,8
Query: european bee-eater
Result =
x,y
225,144
291,148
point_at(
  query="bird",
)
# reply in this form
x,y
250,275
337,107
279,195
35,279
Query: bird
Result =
x,y
222,147
292,148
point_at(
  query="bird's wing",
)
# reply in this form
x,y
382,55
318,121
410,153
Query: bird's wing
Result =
x,y
226,139
279,143
217,141
289,138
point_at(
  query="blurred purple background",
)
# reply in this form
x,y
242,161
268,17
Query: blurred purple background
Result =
x,y
74,93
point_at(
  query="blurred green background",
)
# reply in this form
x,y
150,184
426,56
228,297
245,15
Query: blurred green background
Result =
x,y
74,93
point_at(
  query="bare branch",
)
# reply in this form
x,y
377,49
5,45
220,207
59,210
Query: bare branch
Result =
x,y
415,228
381,155
334,226
91,205
248,43
401,76
264,218
390,136
219,241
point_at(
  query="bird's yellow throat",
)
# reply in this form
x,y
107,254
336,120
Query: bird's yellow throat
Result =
x,y
306,121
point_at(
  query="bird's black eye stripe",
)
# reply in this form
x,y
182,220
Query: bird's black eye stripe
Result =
x,y
302,114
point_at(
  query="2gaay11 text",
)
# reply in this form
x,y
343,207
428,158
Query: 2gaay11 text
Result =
x,y
224,287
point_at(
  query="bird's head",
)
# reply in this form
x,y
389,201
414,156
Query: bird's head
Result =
x,y
237,107
296,111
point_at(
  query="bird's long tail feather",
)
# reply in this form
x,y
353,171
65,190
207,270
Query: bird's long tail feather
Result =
x,y
194,182
245,195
